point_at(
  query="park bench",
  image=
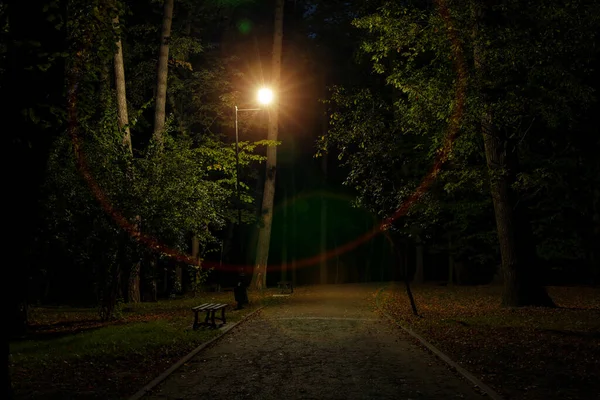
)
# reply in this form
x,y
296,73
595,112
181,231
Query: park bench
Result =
x,y
210,309
285,285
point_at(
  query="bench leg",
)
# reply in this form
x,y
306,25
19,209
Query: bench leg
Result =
x,y
223,315
195,320
212,319
207,317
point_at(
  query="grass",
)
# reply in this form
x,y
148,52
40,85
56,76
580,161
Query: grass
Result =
x,y
70,353
524,353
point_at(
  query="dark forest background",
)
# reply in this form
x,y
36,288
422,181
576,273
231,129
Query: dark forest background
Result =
x,y
367,96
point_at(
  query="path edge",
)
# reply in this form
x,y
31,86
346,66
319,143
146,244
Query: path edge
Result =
x,y
156,381
466,374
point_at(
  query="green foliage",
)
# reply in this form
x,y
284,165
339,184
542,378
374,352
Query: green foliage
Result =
x,y
184,188
388,127
181,191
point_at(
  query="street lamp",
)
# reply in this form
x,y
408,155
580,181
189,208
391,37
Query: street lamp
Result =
x,y
264,96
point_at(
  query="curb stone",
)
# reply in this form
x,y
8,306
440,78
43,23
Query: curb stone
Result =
x,y
466,374
156,381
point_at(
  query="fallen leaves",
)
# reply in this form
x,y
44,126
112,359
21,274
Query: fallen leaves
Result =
x,y
527,353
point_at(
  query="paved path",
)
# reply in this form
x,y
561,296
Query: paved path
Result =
x,y
324,343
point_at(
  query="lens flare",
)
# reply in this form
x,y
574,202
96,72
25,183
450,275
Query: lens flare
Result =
x,y
265,96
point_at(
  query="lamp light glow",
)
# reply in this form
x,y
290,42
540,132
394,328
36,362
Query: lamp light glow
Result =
x,y
265,96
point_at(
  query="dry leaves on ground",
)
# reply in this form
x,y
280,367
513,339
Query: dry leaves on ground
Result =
x,y
526,353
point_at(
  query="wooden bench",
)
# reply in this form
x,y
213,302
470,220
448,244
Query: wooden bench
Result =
x,y
210,309
286,285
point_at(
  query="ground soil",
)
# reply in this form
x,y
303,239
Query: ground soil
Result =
x,y
324,342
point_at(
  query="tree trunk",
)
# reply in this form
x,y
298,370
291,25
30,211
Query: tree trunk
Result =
x,y
324,125
595,234
284,239
369,261
259,277
121,93
337,262
123,120
450,261
521,286
381,265
371,258
178,284
323,246
162,75
160,107
134,284
134,294
196,257
401,263
294,222
413,304
195,248
109,289
150,283
165,285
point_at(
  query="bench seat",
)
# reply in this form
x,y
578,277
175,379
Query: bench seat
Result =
x,y
210,309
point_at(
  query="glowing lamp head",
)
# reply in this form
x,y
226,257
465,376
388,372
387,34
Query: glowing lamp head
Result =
x,y
265,96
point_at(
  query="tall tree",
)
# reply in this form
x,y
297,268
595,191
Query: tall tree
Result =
x,y
162,73
294,222
517,250
259,277
284,237
323,231
529,63
121,91
133,286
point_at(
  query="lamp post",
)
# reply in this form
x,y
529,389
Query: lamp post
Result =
x,y
265,97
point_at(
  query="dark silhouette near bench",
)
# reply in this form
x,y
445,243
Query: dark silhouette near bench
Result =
x,y
240,291
285,286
